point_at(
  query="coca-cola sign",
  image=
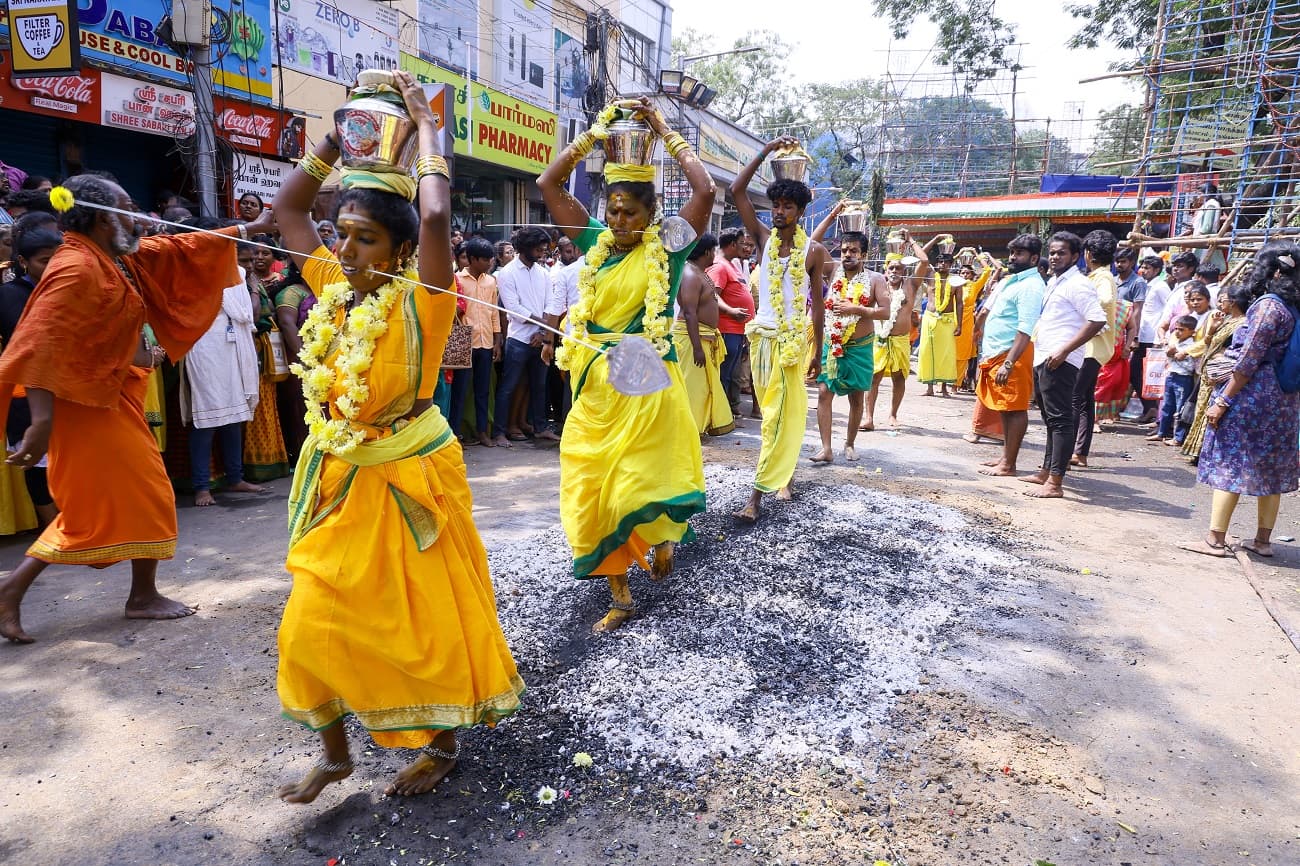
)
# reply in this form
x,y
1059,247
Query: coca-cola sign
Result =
x,y
256,129
73,97
252,125
69,88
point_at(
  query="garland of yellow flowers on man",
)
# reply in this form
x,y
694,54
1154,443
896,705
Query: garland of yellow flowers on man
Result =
x,y
657,325
791,332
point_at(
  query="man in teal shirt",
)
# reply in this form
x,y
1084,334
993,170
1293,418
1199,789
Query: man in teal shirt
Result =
x,y
1006,383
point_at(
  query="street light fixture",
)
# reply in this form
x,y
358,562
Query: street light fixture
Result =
x,y
688,88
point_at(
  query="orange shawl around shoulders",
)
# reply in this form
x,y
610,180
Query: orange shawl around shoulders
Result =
x,y
79,331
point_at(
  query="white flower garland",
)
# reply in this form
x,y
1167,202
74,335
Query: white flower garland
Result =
x,y
896,299
657,325
362,328
791,335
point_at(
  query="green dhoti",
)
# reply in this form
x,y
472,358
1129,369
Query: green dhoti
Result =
x,y
853,371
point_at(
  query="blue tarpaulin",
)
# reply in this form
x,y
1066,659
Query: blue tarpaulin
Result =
x,y
1102,183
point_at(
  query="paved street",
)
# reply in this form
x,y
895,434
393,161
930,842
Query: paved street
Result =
x,y
910,662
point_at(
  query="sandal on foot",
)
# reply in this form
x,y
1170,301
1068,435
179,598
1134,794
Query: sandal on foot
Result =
x,y
1251,544
1207,548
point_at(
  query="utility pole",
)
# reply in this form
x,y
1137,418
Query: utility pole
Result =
x,y
1011,184
1047,146
192,28
205,130
596,46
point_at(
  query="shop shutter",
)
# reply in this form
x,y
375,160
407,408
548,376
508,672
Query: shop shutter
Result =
x,y
28,141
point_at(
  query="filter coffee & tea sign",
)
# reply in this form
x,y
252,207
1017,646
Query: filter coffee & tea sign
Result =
x,y
146,107
44,37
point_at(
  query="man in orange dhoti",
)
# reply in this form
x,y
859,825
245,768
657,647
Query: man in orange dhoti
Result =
x,y
1006,380
79,352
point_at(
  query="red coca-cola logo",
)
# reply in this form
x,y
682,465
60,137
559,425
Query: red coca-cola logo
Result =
x,y
71,88
256,125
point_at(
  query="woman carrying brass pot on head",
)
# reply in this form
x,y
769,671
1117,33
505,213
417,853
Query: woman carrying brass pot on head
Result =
x,y
392,618
631,473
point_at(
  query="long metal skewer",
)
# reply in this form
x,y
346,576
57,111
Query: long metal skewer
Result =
x,y
630,372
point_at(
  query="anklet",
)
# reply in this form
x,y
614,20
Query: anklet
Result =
x,y
434,752
625,608
329,767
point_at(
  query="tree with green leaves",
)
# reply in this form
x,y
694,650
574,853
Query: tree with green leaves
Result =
x,y
971,38
1119,138
1129,25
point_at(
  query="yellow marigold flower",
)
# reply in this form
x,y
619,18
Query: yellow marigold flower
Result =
x,y
61,199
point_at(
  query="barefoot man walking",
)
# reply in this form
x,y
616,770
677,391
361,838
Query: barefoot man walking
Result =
x,y
80,354
789,281
858,298
1006,380
893,334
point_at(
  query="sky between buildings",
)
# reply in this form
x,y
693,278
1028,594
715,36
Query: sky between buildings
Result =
x,y
840,40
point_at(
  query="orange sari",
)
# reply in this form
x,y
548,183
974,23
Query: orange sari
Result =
x,y
76,339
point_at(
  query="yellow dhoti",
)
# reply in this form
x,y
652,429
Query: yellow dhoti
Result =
x,y
707,397
893,355
784,401
937,360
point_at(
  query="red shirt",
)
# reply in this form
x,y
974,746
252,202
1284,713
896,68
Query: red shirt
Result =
x,y
734,292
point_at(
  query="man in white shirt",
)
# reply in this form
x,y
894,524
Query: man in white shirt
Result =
x,y
564,294
1152,270
524,286
1072,315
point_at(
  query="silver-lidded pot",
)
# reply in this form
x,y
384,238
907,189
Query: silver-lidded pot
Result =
x,y
630,142
375,131
792,166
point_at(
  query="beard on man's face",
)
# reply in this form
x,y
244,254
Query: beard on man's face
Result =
x,y
126,242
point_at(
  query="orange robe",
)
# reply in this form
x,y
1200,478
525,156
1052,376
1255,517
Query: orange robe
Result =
x,y
76,339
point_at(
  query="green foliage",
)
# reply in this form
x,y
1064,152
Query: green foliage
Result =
x,y
1119,137
1129,25
846,120
971,38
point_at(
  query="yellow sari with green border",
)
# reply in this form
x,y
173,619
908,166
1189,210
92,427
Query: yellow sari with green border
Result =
x,y
392,617
631,470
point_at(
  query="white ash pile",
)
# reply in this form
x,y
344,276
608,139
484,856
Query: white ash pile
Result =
x,y
783,641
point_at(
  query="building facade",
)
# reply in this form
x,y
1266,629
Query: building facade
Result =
x,y
525,79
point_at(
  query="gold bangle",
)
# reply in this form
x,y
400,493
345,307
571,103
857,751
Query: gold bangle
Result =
x,y
584,143
315,166
429,164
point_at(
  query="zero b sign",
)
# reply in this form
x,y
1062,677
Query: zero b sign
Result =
x,y
44,37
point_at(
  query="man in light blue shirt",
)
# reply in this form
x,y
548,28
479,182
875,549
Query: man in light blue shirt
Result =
x,y
1006,382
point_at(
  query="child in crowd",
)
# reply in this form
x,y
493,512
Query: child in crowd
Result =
x,y
1179,382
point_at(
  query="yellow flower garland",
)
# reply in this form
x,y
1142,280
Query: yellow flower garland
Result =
x,y
790,335
362,328
941,301
657,325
